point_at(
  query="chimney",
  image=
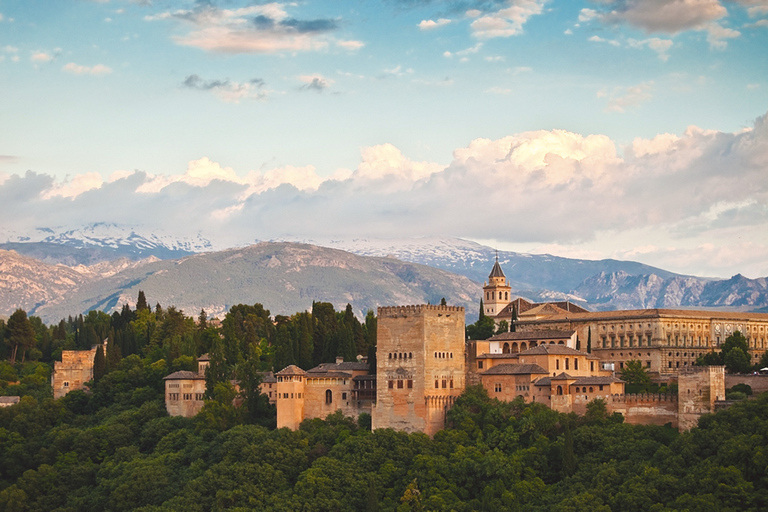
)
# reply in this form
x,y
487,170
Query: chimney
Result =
x,y
339,359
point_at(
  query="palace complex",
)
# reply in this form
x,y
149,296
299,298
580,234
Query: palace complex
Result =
x,y
558,354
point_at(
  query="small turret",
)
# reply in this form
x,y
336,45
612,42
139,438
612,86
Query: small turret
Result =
x,y
496,291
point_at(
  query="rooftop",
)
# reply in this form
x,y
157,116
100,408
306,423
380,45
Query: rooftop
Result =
x,y
532,335
515,369
184,375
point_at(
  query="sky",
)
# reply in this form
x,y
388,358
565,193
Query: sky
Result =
x,y
629,129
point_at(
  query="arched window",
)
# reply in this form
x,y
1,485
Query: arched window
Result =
x,y
410,355
575,363
514,349
567,365
559,390
523,346
505,348
591,389
328,396
557,364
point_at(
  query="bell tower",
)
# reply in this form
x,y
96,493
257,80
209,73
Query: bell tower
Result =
x,y
496,291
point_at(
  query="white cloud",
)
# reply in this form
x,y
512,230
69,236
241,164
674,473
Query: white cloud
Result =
x,y
315,82
622,99
717,35
432,24
660,46
74,187
663,197
505,22
40,56
587,15
77,69
228,90
350,45
260,29
667,16
598,39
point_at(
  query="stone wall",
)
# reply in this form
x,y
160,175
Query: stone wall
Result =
x,y
699,388
74,370
758,383
646,409
184,397
420,366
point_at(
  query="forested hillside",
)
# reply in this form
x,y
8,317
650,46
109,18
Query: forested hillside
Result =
x,y
115,448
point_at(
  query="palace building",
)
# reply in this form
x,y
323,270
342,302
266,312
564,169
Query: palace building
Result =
x,y
665,340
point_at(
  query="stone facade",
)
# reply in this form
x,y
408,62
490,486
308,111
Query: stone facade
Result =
x,y
74,370
420,366
323,390
698,390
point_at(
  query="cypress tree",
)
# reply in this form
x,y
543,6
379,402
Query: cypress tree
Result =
x,y
569,459
99,364
141,303
482,311
513,320
589,340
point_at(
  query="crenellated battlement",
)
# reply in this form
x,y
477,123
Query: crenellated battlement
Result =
x,y
418,309
645,398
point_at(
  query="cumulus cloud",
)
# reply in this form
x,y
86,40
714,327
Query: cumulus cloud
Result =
x,y
660,46
266,28
41,56
622,99
432,24
666,195
228,90
316,83
717,35
77,69
505,22
668,16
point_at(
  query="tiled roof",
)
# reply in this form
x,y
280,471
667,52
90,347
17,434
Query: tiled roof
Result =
x,y
564,376
551,349
532,335
184,375
498,356
596,380
544,381
364,377
515,369
640,314
334,367
328,375
291,370
496,271
204,357
268,377
9,399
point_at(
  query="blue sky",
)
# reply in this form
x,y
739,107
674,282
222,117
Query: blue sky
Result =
x,y
626,128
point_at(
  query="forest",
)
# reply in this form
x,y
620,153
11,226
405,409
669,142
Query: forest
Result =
x,y
114,447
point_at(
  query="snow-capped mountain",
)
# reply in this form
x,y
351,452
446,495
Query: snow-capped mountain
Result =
x,y
99,242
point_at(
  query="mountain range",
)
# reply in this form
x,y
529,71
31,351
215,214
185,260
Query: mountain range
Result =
x,y
57,273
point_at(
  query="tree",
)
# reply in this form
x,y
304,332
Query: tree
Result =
x,y
99,364
411,499
635,375
737,361
569,459
513,320
442,302
19,333
589,340
202,321
503,327
141,302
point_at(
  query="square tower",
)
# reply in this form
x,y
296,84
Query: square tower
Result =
x,y
419,366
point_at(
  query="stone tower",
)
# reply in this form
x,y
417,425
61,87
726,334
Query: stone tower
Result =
x,y
420,366
496,291
698,390
291,383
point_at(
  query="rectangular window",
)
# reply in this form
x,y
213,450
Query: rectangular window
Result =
x,y
591,366
451,384
410,384
391,384
601,388
497,388
445,383
479,365
343,396
436,385
399,384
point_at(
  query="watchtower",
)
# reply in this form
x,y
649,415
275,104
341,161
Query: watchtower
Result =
x,y
496,291
420,366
